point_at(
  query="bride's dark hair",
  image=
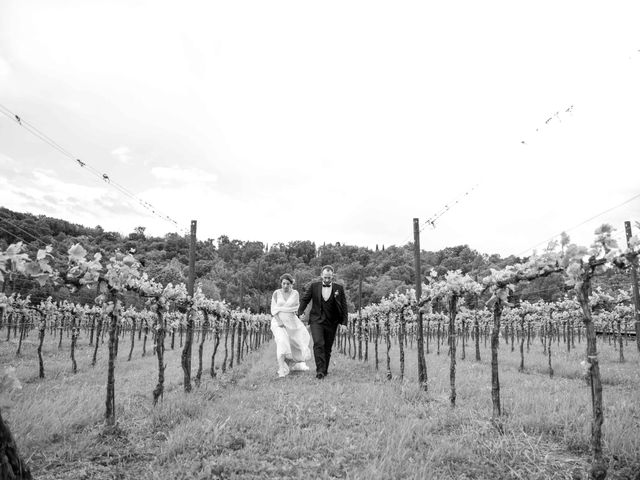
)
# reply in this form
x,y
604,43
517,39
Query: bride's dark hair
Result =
x,y
286,276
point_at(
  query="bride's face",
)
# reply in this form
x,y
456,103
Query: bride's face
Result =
x,y
286,285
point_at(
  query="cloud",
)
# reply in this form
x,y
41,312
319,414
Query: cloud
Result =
x,y
43,192
123,154
178,174
355,121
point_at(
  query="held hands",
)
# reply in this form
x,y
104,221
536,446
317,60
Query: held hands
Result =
x,y
278,321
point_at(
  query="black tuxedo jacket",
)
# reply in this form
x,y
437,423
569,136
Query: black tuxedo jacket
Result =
x,y
314,292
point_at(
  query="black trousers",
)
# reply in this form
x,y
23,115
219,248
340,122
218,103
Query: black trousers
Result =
x,y
323,336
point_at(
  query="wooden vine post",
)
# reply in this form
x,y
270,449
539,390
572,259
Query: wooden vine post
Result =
x,y
360,317
582,288
186,351
161,329
453,309
422,364
634,285
216,343
110,410
387,335
495,342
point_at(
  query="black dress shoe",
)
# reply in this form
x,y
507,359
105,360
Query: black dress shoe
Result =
x,y
319,375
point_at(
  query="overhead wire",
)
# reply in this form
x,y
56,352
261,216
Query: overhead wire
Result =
x,y
436,216
84,165
555,116
579,224
14,235
23,231
432,220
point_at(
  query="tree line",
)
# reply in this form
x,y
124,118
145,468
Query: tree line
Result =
x,y
245,272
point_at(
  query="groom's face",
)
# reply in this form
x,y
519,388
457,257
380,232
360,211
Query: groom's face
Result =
x,y
327,276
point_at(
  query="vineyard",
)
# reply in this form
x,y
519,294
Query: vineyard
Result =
x,y
502,381
233,333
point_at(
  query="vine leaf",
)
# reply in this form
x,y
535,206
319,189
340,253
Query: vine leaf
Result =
x,y
77,252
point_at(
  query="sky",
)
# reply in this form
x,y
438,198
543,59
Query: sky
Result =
x,y
334,121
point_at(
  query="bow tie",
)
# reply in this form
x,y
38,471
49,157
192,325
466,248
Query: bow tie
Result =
x,y
326,284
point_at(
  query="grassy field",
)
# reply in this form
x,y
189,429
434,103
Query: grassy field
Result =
x,y
355,424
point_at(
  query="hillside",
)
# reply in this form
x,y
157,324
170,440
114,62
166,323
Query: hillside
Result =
x,y
245,272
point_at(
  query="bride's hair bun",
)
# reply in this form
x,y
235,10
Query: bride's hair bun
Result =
x,y
288,277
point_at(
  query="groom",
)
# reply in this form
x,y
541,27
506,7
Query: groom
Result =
x,y
329,310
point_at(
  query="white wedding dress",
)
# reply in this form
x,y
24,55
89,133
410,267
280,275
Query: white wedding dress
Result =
x,y
292,340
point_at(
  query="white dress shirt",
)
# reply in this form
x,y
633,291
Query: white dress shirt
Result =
x,y
326,292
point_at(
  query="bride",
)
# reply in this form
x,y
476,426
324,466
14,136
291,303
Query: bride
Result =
x,y
291,336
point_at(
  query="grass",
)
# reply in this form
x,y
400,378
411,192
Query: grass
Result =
x,y
354,424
